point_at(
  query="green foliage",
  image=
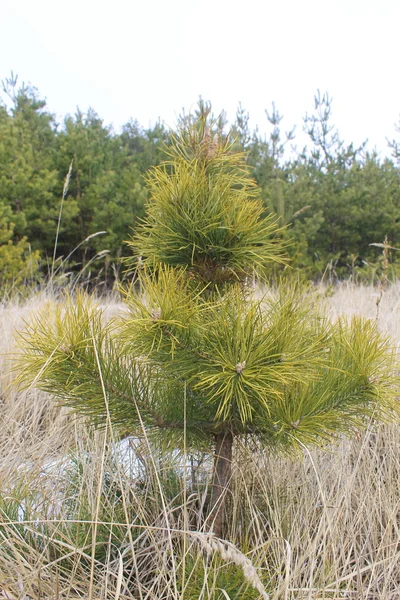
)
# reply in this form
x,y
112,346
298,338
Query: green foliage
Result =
x,y
204,213
106,191
27,175
271,366
196,357
260,366
216,578
334,199
75,357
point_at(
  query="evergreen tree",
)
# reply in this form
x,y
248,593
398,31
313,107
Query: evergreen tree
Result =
x,y
27,175
197,357
27,181
337,199
106,191
88,143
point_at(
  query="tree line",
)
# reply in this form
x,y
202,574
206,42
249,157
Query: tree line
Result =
x,y
333,199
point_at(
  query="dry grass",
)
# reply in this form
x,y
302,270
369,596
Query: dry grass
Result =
x,y
83,517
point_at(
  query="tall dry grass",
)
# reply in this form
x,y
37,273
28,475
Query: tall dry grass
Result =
x,y
85,516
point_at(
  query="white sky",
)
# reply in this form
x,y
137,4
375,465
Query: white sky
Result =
x,y
149,58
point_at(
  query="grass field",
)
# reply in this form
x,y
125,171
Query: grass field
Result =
x,y
84,516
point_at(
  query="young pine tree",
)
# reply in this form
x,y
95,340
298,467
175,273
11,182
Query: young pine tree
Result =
x,y
196,355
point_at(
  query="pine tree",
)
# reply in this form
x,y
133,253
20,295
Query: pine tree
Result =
x,y
27,177
198,355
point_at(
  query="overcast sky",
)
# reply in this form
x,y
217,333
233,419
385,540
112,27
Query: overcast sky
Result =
x,y
149,58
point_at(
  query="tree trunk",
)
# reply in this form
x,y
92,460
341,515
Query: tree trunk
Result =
x,y
222,473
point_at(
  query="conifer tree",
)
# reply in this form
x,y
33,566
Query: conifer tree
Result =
x,y
197,354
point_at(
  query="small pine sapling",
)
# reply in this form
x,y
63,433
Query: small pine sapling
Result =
x,y
196,353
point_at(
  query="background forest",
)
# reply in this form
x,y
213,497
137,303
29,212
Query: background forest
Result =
x,y
335,198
